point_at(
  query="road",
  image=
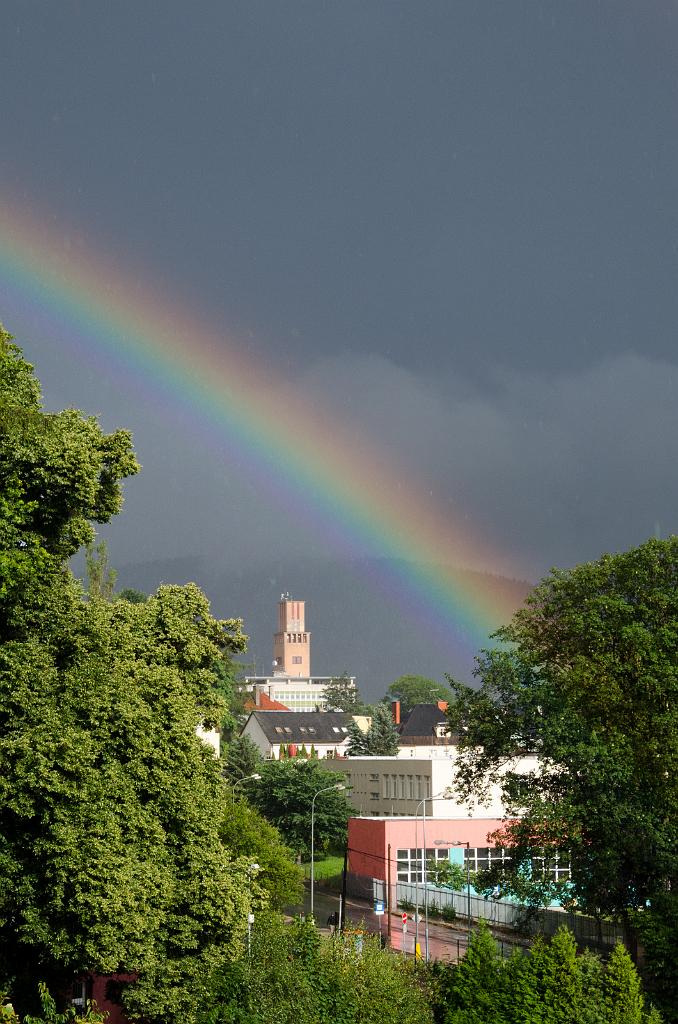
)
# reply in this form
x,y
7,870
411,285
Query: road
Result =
x,y
446,942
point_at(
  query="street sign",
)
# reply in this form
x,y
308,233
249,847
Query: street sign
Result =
x,y
404,918
379,907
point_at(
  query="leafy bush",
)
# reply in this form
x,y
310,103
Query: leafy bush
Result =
x,y
549,984
295,977
50,1015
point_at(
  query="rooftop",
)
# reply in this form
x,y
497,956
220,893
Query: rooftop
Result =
x,y
303,726
423,724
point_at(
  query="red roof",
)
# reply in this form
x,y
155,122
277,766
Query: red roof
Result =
x,y
264,704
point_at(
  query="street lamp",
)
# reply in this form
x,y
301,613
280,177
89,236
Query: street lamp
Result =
x,y
424,873
255,777
250,917
338,785
467,844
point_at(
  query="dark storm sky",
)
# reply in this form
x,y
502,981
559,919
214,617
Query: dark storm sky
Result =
x,y
455,223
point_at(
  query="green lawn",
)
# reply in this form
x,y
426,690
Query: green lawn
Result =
x,y
327,867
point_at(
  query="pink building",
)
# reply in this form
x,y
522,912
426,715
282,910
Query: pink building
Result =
x,y
374,843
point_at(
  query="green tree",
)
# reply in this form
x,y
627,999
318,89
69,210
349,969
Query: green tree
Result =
x,y
474,995
241,759
101,576
341,694
624,1000
411,690
50,1014
547,984
446,874
659,934
245,833
284,797
110,805
562,980
381,738
58,474
295,977
111,853
131,595
229,687
589,682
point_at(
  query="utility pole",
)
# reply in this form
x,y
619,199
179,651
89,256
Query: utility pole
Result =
x,y
388,896
342,905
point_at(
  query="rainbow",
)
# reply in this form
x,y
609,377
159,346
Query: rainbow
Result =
x,y
353,495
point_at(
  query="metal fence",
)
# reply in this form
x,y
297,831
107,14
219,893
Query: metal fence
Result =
x,y
588,931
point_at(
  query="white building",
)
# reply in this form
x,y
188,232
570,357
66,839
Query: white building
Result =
x,y
395,786
325,731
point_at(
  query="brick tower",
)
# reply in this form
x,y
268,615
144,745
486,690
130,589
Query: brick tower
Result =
x,y
291,643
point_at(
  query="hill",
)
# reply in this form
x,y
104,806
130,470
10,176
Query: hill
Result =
x,y
354,627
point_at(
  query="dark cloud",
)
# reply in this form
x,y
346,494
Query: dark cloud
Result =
x,y
454,222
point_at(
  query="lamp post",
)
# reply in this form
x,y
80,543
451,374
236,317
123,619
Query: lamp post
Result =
x,y
250,917
424,873
327,789
467,844
248,778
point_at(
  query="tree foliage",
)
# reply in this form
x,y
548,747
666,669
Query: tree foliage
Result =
x,y
549,984
341,694
284,797
295,977
241,758
246,833
381,738
49,1014
114,850
58,474
447,874
101,576
131,595
111,856
411,690
590,683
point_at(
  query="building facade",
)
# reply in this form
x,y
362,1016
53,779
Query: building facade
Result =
x,y
424,731
389,850
396,786
326,732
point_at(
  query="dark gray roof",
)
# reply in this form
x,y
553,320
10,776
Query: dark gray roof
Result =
x,y
303,726
421,722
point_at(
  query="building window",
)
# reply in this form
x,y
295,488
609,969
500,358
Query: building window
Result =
x,y
485,857
554,868
374,796
296,660
409,863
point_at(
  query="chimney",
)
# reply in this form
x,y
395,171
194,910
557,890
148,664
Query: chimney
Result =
x,y
395,711
442,705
